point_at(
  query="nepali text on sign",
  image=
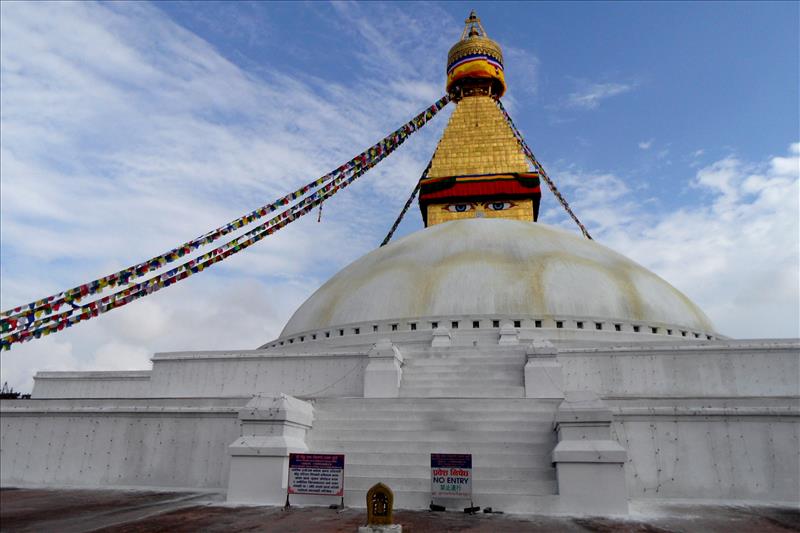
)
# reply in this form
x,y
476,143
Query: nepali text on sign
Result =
x,y
316,473
451,475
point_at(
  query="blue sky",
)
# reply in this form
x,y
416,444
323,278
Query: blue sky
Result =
x,y
696,74
127,128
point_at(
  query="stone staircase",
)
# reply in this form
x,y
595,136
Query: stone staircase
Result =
x,y
463,373
446,407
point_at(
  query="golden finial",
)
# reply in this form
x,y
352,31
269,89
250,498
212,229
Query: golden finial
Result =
x,y
473,27
475,62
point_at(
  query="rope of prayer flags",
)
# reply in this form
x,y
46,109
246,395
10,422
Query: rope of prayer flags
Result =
x,y
52,303
405,207
61,321
24,318
233,243
541,170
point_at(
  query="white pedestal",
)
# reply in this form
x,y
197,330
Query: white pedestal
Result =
x,y
272,428
383,373
258,479
509,335
590,466
543,375
441,338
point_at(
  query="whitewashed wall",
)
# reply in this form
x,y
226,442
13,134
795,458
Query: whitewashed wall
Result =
x,y
117,384
746,449
193,374
142,443
717,419
217,374
717,368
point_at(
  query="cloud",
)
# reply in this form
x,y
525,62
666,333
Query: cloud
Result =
x,y
590,96
118,356
645,145
211,312
522,68
393,43
734,250
124,134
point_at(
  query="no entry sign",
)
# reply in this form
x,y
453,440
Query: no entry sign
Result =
x,y
451,475
316,473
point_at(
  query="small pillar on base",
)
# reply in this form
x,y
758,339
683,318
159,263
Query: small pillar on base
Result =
x,y
543,375
441,338
383,373
272,428
509,335
590,466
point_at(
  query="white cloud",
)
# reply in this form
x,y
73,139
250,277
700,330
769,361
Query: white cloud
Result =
x,y
734,251
522,68
210,312
118,356
590,96
124,134
50,354
645,145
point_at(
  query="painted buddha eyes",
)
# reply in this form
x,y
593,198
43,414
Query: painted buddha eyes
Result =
x,y
498,206
489,206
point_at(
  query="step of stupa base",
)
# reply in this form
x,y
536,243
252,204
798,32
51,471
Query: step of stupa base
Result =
x,y
479,486
496,473
484,460
395,417
436,436
470,367
462,422
463,392
462,380
450,359
390,448
445,406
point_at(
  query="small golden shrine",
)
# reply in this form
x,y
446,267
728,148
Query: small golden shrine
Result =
x,y
380,501
479,169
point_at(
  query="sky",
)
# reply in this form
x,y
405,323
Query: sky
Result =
x,y
127,128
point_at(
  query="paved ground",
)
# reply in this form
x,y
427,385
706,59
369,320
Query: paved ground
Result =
x,y
68,511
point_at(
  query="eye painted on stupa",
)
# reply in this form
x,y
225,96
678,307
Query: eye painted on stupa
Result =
x,y
459,208
498,206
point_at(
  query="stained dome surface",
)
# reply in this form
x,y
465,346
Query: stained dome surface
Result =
x,y
495,267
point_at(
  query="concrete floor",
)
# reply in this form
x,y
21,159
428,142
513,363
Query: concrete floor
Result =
x,y
73,510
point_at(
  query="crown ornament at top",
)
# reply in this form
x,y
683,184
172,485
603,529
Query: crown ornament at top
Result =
x,y
475,62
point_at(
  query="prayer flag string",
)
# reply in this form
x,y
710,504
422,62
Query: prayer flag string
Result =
x,y
538,166
233,244
24,323
405,207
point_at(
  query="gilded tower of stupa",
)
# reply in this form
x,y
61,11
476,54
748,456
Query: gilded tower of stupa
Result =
x,y
479,169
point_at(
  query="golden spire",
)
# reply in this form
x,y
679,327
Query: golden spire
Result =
x,y
479,169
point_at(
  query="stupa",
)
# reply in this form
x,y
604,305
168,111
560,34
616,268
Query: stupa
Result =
x,y
577,379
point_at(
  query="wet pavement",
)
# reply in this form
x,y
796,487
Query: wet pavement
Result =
x,y
73,510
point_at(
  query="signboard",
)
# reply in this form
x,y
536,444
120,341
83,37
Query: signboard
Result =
x,y
316,473
451,475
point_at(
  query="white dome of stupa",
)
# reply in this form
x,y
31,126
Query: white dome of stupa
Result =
x,y
497,268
